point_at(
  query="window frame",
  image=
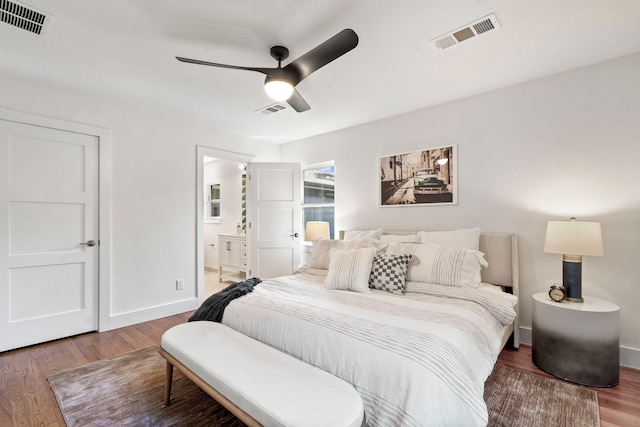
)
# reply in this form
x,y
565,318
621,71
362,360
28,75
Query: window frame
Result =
x,y
317,205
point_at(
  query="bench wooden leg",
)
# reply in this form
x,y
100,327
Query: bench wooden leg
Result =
x,y
167,384
235,410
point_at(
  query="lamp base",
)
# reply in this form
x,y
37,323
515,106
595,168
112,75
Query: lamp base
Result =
x,y
572,277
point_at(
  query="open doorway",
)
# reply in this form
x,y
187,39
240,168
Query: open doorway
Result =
x,y
221,216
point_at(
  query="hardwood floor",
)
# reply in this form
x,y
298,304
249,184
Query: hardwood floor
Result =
x,y
25,396
27,400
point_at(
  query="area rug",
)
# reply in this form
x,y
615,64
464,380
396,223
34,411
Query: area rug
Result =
x,y
128,390
520,399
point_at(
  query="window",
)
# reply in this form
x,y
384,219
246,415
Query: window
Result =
x,y
212,202
319,198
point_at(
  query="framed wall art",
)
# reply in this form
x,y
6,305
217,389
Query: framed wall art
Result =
x,y
423,177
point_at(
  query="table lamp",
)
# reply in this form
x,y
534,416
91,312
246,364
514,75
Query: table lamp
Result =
x,y
573,239
315,230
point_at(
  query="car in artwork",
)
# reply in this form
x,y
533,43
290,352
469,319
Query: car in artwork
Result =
x,y
427,182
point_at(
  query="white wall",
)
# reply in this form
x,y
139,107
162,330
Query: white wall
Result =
x,y
229,176
153,190
566,145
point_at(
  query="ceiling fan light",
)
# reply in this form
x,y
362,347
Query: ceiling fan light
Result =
x,y
278,90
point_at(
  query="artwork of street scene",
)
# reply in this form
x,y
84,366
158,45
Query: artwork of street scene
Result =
x,y
419,177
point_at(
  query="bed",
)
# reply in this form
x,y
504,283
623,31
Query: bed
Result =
x,y
418,355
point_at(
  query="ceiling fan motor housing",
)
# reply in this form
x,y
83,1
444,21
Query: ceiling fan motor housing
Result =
x,y
279,53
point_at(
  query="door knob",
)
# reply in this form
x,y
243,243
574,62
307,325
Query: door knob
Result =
x,y
293,235
89,243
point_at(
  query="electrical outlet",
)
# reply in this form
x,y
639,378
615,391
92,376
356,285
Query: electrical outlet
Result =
x,y
179,284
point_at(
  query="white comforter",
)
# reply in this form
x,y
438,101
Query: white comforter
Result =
x,y
416,360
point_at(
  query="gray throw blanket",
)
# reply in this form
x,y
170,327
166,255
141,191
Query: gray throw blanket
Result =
x,y
213,307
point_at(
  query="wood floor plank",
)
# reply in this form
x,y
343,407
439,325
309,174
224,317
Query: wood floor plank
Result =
x,y
27,400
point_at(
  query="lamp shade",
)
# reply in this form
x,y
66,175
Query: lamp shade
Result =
x,y
278,90
574,237
315,230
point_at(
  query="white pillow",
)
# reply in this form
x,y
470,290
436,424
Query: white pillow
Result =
x,y
464,238
442,265
349,270
403,238
320,251
359,234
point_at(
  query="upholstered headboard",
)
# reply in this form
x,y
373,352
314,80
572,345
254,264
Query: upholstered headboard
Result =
x,y
501,252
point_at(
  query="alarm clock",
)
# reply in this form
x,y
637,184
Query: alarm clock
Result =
x,y
557,292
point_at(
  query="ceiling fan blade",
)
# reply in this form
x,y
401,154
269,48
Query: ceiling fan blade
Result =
x,y
297,102
235,67
321,55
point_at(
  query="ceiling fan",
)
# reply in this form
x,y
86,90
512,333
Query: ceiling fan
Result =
x,y
280,82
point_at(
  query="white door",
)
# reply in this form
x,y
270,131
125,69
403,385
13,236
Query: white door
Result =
x,y
48,226
274,219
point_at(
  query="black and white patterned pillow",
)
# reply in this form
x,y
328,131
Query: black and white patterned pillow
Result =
x,y
388,272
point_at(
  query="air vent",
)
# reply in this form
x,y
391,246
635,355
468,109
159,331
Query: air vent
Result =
x,y
272,109
479,27
22,17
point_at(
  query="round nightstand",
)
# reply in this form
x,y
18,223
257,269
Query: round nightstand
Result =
x,y
578,342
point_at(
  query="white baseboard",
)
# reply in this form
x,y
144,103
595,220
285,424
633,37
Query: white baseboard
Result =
x,y
152,313
525,335
628,356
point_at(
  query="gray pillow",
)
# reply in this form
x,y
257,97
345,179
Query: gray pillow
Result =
x,y
389,271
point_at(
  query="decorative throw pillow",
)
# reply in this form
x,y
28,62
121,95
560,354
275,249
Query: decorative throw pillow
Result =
x,y
442,265
362,234
320,252
464,238
349,270
388,272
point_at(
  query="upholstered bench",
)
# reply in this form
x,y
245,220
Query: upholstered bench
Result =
x,y
257,383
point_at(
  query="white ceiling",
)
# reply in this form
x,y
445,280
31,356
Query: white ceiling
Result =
x,y
124,50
